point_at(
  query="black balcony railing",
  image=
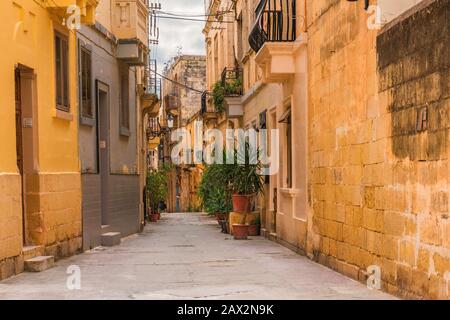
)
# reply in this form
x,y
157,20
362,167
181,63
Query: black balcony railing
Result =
x,y
232,81
275,22
153,128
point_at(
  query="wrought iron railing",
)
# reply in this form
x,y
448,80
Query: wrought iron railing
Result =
x,y
152,81
207,106
232,81
275,22
153,128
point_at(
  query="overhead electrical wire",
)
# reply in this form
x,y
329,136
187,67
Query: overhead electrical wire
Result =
x,y
190,19
221,13
177,83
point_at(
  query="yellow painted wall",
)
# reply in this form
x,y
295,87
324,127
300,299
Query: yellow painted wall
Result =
x,y
53,192
29,31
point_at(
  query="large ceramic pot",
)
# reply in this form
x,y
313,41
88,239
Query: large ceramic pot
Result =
x,y
242,203
240,231
154,217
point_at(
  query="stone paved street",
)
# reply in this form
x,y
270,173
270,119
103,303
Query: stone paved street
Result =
x,y
185,256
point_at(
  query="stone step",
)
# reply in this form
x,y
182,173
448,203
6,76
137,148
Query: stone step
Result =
x,y
39,264
30,252
106,228
111,239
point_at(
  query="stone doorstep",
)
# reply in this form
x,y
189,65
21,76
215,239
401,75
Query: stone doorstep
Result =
x,y
111,239
39,264
30,252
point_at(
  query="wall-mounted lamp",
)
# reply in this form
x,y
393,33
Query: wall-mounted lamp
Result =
x,y
170,121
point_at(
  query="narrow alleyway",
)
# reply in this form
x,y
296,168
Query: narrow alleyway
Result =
x,y
186,257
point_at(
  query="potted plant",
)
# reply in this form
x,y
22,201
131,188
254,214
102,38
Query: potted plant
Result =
x,y
254,228
226,90
240,231
157,190
246,181
214,195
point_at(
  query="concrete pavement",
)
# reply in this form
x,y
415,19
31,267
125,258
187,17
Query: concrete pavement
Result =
x,y
185,256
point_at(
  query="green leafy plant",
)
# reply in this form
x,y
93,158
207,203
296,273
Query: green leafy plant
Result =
x,y
218,201
244,175
222,90
213,193
157,188
256,221
220,181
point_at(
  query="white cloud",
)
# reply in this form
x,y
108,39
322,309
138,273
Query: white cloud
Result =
x,y
175,33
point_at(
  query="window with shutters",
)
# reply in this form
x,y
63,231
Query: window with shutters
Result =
x,y
87,109
62,72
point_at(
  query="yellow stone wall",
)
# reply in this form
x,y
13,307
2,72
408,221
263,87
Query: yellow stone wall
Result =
x,y
370,207
10,216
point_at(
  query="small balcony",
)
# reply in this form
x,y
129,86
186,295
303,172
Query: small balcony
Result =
x,y
275,22
172,103
274,38
132,52
153,128
208,111
131,20
231,83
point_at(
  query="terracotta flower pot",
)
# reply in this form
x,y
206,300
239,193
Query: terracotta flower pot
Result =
x,y
240,231
220,216
242,203
154,218
159,215
254,230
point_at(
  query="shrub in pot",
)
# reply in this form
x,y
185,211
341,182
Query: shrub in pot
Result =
x,y
157,190
214,195
245,178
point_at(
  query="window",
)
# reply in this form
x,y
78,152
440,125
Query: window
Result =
x,y
289,151
216,59
240,37
124,103
286,119
263,120
86,83
62,72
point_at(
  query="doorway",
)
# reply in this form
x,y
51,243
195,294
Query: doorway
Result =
x,y
26,130
103,145
19,145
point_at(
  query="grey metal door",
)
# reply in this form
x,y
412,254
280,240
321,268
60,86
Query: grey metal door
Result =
x,y
103,145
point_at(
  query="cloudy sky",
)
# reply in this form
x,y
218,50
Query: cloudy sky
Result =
x,y
175,33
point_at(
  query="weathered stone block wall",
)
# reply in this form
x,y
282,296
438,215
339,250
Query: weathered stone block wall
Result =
x,y
10,216
414,74
379,188
194,76
54,212
189,70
